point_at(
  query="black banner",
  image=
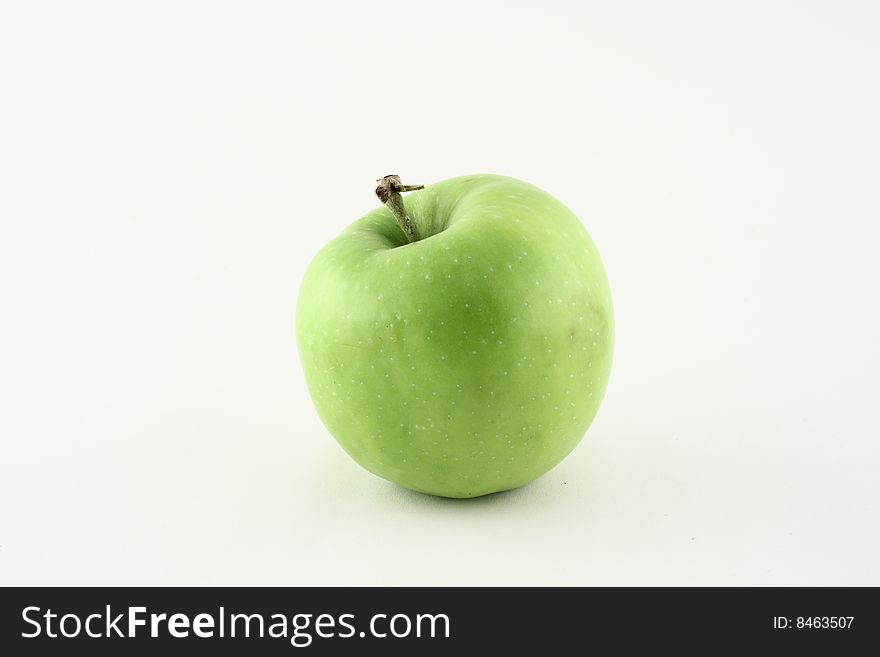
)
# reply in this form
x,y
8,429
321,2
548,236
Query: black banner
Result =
x,y
255,621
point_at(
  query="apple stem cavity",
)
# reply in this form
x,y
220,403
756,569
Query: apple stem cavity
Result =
x,y
388,190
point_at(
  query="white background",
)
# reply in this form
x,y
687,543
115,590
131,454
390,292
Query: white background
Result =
x,y
167,170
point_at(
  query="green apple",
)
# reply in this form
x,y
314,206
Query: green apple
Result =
x,y
471,360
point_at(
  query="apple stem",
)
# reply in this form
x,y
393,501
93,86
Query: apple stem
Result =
x,y
388,190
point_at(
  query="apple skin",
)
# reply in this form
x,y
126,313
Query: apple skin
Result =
x,y
471,361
